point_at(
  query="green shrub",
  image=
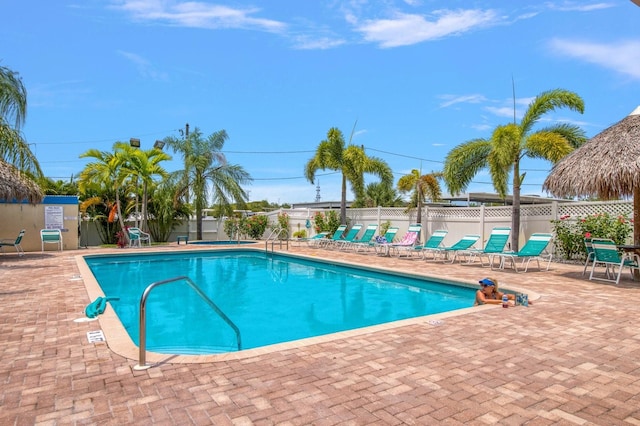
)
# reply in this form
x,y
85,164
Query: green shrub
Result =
x,y
283,223
300,234
384,227
326,222
254,226
231,227
570,233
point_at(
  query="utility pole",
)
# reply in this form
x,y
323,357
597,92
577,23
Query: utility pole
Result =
x,y
186,136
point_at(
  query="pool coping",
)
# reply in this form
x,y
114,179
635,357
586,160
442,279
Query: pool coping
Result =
x,y
119,342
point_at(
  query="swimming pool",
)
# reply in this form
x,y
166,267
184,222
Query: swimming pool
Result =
x,y
221,242
271,298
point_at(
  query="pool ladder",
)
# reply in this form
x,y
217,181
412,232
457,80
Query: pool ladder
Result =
x,y
142,362
276,237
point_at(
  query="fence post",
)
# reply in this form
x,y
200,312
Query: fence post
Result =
x,y
482,213
554,210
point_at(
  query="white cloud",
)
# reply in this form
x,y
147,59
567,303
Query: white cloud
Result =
x,y
622,57
144,67
407,29
307,42
196,14
573,6
449,100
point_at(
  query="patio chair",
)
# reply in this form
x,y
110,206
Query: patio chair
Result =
x,y
533,249
465,243
312,241
408,242
434,242
606,253
590,254
382,243
349,237
51,236
378,240
137,238
336,236
494,245
366,237
15,243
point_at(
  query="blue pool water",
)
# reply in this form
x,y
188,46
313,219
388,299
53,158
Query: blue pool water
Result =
x,y
271,298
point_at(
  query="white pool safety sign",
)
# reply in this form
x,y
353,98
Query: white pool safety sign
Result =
x,y
96,336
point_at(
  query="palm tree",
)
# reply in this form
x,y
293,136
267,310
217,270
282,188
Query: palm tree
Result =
x,y
510,143
143,166
351,161
108,168
204,162
58,187
167,209
378,194
421,187
13,107
13,97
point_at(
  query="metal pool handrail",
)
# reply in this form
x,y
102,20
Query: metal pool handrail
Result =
x,y
143,316
274,236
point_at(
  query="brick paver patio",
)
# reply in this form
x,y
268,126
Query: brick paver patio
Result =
x,y
571,358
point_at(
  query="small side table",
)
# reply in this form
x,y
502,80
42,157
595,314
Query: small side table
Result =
x,y
184,238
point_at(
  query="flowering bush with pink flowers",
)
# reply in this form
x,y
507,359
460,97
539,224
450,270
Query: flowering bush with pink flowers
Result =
x,y
283,222
570,233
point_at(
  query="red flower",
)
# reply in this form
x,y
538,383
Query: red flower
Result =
x,y
587,235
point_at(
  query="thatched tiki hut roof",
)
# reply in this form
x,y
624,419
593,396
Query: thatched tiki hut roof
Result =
x,y
607,166
14,186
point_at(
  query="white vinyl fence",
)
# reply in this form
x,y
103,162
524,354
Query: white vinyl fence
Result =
x,y
458,221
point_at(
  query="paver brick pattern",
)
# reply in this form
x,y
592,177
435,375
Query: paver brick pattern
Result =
x,y
573,357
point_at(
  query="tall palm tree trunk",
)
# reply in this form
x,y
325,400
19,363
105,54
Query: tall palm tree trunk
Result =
x,y
515,208
343,201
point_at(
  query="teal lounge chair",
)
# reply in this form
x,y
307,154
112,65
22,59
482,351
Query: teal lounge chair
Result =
x,y
494,245
336,236
13,243
533,249
606,253
373,243
465,243
380,243
348,238
312,241
366,237
590,254
434,242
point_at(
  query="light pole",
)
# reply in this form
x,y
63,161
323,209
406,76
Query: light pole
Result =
x,y
135,143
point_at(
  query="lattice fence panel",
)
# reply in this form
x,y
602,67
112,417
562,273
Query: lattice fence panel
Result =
x,y
544,210
614,208
491,212
454,212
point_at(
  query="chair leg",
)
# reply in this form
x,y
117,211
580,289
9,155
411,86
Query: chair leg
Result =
x,y
620,268
586,263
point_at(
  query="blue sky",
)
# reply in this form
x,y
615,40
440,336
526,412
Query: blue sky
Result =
x,y
415,77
